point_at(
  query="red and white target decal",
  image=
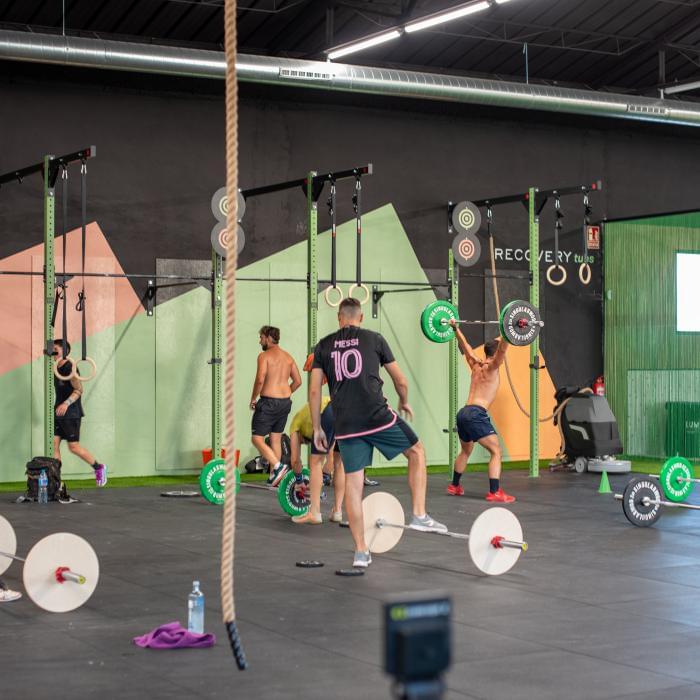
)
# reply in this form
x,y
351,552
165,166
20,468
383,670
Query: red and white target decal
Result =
x,y
466,249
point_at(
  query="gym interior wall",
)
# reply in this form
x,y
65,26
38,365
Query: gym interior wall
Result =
x,y
161,159
652,374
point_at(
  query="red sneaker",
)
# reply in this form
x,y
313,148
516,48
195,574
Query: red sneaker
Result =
x,y
453,490
500,497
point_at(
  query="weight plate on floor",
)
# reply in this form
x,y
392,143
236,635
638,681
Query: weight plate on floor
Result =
x,y
519,322
381,511
349,572
431,321
466,217
633,505
8,543
180,494
676,468
494,522
290,502
309,564
212,481
466,250
44,562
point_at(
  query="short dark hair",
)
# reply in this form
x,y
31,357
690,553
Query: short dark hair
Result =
x,y
272,333
350,307
59,341
491,346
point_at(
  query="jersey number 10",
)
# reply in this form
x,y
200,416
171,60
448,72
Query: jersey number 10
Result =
x,y
341,364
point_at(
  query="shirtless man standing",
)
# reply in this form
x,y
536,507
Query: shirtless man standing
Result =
x,y
276,379
473,422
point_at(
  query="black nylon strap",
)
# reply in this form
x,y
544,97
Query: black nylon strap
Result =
x,y
586,222
557,229
64,295
80,306
357,205
331,211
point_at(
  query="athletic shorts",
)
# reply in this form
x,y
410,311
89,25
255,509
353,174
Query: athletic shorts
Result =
x,y
67,429
328,425
270,415
473,423
392,441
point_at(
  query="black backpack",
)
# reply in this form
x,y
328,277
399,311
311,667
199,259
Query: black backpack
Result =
x,y
52,467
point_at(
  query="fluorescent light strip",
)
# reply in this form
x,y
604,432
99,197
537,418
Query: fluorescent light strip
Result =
x,y
447,16
364,44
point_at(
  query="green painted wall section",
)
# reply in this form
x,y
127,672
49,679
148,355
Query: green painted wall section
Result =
x,y
148,410
640,326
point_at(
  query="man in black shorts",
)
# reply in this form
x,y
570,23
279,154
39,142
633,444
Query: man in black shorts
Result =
x,y
351,359
69,413
276,379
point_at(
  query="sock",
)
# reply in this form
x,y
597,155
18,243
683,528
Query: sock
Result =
x,y
95,465
456,476
494,485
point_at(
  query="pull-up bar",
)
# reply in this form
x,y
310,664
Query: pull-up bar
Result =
x,y
539,194
317,181
55,162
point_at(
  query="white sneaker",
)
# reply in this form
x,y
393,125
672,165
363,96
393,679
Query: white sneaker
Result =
x,y
362,560
335,516
7,596
425,523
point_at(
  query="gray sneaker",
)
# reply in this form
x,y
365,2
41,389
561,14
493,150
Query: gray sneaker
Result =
x,y
425,523
362,560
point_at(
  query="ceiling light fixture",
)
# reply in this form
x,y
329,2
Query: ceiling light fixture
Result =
x,y
447,16
346,49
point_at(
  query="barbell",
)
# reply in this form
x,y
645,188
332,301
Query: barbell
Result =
x,y
212,483
642,501
519,322
495,538
50,572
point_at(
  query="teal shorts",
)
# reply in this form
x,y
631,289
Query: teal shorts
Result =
x,y
392,441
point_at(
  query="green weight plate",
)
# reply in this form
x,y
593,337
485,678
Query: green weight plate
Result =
x,y
286,497
673,469
431,321
212,481
519,322
633,504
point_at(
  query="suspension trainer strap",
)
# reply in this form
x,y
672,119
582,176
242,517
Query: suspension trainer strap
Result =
x,y
64,226
357,206
331,211
586,222
80,306
558,216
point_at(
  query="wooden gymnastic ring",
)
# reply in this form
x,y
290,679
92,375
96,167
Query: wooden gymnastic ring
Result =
x,y
353,287
584,266
326,296
64,377
550,269
88,377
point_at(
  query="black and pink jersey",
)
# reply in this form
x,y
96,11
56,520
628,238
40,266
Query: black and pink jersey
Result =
x,y
351,359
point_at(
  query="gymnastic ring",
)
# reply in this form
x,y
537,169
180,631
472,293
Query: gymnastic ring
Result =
x,y
353,287
87,377
584,267
326,296
551,269
64,377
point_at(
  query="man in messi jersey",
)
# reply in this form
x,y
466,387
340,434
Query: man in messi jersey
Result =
x,y
351,359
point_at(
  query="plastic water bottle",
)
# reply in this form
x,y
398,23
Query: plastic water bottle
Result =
x,y
43,487
195,610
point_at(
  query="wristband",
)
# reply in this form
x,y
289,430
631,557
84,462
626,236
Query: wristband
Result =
x,y
68,401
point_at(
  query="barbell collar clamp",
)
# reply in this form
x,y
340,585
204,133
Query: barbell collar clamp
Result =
x,y
500,543
63,574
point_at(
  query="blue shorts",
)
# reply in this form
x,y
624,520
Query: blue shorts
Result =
x,y
473,423
392,441
328,425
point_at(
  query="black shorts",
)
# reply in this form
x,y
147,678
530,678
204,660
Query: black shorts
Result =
x,y
473,423
328,425
67,429
270,415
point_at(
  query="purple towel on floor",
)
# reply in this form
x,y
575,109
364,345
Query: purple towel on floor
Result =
x,y
174,636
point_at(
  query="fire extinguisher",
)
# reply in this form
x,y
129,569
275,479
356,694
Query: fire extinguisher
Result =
x,y
599,386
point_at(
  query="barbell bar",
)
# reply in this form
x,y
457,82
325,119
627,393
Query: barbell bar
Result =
x,y
495,538
522,324
52,562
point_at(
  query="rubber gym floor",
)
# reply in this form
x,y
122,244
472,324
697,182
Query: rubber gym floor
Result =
x,y
595,609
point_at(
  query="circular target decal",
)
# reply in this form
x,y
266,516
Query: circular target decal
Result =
x,y
220,239
466,250
466,218
219,204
